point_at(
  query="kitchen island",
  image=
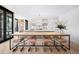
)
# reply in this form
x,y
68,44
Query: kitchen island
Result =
x,y
39,33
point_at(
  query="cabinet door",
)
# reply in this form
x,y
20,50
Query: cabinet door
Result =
x,y
16,25
1,25
26,25
8,24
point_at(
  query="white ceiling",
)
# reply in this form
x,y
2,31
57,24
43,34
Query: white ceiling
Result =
x,y
30,11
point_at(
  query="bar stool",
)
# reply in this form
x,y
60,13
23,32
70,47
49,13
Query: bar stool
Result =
x,y
31,42
18,41
60,40
48,41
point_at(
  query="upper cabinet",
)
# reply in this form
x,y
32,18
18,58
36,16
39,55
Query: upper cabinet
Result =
x,y
22,25
6,24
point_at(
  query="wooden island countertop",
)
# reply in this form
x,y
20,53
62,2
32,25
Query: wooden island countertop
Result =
x,y
38,33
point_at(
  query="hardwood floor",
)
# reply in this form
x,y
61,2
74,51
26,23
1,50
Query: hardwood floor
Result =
x,y
4,49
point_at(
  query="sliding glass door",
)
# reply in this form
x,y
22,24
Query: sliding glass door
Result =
x,y
6,24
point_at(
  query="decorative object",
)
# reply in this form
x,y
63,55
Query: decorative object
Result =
x,y
44,24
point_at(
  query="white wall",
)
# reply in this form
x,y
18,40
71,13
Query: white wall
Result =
x,y
72,18
67,13
38,21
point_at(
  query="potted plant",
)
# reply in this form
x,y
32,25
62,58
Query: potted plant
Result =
x,y
61,26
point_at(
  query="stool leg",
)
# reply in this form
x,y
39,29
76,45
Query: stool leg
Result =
x,y
29,49
36,49
50,48
22,47
56,46
44,47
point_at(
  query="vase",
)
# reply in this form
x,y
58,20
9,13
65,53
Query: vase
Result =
x,y
61,31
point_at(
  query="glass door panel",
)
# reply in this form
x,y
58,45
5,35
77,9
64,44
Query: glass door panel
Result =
x,y
8,24
1,25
